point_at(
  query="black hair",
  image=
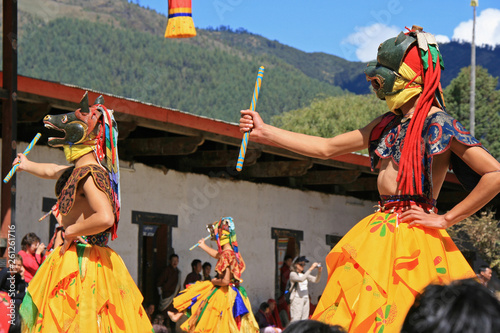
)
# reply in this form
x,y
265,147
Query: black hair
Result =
x,y
207,264
195,263
263,306
312,326
172,256
463,306
29,239
483,268
287,257
19,257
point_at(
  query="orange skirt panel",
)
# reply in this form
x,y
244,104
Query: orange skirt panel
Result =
x,y
216,309
87,289
377,269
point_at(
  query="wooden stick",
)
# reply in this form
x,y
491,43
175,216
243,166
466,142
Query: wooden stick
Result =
x,y
195,245
26,152
244,142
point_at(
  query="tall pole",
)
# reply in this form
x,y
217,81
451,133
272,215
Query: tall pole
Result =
x,y
9,119
472,118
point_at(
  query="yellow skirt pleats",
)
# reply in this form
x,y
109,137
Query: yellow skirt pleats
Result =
x,y
88,289
379,267
216,309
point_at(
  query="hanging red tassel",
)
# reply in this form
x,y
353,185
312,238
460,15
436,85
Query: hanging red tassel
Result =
x,y
410,164
180,21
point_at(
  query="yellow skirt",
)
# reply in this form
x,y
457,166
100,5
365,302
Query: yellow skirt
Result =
x,y
88,289
216,309
377,269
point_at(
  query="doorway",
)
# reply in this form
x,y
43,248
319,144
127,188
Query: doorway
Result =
x,y
287,242
155,246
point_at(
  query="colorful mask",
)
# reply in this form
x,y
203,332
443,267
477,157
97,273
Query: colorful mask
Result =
x,y
398,74
223,232
384,72
76,126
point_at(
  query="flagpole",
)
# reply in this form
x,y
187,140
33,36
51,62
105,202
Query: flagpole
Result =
x,y
472,116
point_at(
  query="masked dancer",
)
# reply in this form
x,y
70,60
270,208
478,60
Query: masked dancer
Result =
x,y
220,305
84,286
384,261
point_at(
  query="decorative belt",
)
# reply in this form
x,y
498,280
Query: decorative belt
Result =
x,y
399,203
100,239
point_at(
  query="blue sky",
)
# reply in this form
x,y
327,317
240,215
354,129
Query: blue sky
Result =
x,y
349,29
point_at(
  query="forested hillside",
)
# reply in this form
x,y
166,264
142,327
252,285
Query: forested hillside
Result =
x,y
133,64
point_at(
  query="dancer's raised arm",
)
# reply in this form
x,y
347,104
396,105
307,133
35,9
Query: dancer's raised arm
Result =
x,y
41,170
308,145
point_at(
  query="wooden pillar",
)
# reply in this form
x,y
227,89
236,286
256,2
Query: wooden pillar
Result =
x,y
9,118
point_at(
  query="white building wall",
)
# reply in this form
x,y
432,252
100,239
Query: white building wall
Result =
x,y
198,200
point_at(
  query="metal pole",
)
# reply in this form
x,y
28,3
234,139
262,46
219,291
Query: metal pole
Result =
x,y
472,119
9,119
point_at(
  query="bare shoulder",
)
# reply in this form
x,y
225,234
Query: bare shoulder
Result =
x,y
433,110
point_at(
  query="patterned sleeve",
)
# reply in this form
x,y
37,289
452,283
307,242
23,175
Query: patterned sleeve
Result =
x,y
442,128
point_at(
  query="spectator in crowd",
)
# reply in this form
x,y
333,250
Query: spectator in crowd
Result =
x,y
299,297
150,310
284,311
33,254
13,286
158,325
283,307
312,326
273,316
207,268
285,272
195,275
262,319
484,275
169,285
463,306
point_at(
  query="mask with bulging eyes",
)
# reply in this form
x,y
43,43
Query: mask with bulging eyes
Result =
x,y
76,126
383,73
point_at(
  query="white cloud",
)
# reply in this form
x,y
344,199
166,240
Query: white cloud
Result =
x,y
441,39
487,28
365,41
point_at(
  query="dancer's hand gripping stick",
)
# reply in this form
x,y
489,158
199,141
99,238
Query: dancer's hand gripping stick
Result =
x,y
244,142
26,152
195,245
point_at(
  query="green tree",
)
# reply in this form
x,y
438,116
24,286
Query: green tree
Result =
x,y
487,113
482,232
